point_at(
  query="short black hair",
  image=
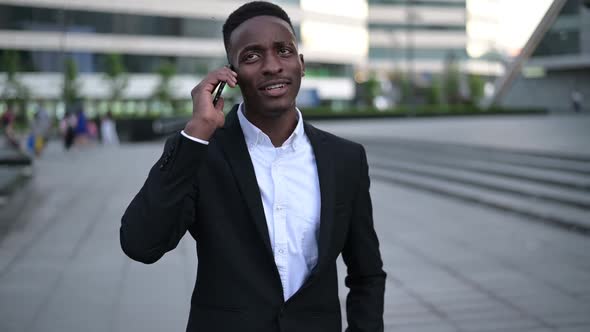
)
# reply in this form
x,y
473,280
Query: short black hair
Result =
x,y
248,11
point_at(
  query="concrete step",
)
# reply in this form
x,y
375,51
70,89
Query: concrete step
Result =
x,y
558,214
544,161
582,157
572,181
497,183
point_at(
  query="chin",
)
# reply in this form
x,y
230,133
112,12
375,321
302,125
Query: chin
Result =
x,y
277,108
274,108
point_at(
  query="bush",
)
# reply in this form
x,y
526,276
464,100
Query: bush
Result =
x,y
418,111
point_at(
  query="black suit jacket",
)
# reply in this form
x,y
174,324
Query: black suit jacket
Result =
x,y
211,191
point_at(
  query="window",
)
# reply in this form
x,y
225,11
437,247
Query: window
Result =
x,y
439,3
390,27
45,19
403,53
51,61
560,42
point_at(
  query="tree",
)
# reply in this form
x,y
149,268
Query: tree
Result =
x,y
452,82
14,90
372,89
476,88
404,86
163,91
116,75
435,91
71,86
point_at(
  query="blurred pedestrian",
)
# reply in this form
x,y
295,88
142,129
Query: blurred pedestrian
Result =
x,y
81,129
577,99
40,129
93,131
68,129
8,120
108,130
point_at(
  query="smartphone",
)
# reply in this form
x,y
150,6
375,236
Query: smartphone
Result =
x,y
220,87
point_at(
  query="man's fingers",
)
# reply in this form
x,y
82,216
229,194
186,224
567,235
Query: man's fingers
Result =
x,y
210,82
221,75
219,105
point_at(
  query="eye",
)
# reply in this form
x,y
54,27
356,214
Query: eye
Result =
x,y
250,57
285,51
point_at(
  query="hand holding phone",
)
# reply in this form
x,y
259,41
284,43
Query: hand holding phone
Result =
x,y
208,109
220,87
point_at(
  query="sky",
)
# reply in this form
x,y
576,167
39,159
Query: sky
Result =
x,y
507,24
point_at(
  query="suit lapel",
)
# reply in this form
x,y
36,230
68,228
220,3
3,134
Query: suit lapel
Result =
x,y
232,142
234,147
325,166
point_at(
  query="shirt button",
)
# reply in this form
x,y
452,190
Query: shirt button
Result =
x,y
281,251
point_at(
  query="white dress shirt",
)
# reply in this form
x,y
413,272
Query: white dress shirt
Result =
x,y
289,187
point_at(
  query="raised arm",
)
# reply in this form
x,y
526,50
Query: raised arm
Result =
x,y
162,211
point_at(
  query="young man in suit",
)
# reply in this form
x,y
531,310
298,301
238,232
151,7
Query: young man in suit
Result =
x,y
270,200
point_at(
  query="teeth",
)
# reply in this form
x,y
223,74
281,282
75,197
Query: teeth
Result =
x,y
275,86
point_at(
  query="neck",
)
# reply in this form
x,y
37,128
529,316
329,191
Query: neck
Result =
x,y
277,128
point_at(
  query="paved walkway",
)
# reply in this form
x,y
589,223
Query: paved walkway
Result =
x,y
452,266
555,133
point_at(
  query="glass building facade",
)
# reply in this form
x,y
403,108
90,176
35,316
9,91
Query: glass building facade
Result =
x,y
146,34
564,37
417,34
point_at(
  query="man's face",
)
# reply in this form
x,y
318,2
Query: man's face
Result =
x,y
263,51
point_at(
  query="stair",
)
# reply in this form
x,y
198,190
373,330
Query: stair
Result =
x,y
549,187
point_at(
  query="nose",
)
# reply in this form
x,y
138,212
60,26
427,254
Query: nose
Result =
x,y
272,65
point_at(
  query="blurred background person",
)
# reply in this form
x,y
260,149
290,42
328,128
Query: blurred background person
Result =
x,y
577,99
81,129
8,127
67,128
108,130
40,130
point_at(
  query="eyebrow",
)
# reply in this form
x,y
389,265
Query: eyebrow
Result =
x,y
258,47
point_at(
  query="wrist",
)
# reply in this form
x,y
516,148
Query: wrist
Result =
x,y
198,130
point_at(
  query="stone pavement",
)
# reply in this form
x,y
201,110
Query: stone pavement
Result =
x,y
452,265
568,134
15,169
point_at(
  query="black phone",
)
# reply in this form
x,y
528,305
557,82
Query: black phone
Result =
x,y
220,87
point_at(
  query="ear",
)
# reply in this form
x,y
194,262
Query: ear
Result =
x,y
302,65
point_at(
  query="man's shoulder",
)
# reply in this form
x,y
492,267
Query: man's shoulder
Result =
x,y
335,141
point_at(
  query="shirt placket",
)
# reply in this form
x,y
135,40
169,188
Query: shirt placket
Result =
x,y
280,221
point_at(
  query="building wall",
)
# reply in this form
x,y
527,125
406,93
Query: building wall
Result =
x,y
416,34
552,92
585,28
563,61
185,33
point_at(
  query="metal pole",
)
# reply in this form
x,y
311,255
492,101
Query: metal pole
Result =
x,y
410,48
62,39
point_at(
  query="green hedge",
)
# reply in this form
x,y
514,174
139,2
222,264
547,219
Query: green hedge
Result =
x,y
419,111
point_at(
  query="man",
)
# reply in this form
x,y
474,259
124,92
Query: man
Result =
x,y
270,200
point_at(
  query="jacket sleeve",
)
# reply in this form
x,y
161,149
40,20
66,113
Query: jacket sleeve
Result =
x,y
163,209
365,275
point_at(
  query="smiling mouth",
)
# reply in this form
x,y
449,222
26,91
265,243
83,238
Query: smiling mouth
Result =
x,y
274,87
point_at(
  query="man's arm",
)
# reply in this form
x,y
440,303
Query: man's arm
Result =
x,y
160,214
163,209
366,278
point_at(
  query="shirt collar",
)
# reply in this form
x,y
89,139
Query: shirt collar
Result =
x,y
254,136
